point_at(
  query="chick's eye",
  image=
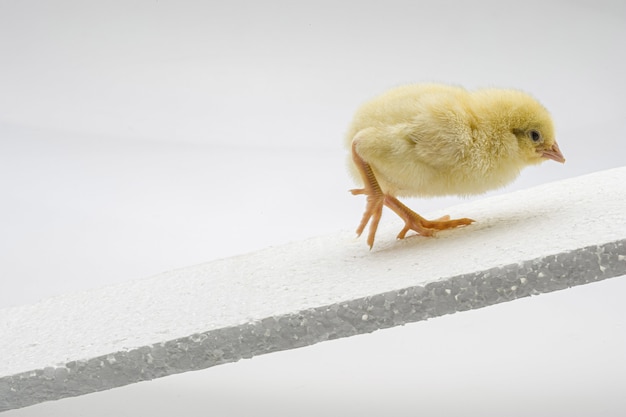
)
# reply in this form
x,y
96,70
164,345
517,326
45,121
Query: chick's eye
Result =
x,y
534,135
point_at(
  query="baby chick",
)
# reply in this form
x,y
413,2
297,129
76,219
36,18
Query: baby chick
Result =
x,y
435,140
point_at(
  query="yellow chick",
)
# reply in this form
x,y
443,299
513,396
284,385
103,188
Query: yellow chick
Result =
x,y
435,140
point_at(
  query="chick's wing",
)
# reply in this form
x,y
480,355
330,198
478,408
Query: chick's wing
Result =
x,y
439,141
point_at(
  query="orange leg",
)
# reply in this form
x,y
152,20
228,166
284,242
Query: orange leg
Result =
x,y
374,208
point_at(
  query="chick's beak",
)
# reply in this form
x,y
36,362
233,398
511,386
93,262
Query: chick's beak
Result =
x,y
553,153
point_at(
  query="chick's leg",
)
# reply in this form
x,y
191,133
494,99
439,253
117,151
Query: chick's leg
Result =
x,y
376,199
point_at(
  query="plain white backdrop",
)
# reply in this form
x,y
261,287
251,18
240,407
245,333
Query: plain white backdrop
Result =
x,y
138,137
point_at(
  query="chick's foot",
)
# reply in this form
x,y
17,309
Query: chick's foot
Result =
x,y
373,212
413,221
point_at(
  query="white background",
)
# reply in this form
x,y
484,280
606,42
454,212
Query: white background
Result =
x,y
138,137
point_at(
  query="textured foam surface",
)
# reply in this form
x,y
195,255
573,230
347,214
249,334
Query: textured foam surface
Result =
x,y
525,243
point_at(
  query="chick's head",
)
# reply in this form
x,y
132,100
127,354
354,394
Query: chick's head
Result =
x,y
536,145
529,122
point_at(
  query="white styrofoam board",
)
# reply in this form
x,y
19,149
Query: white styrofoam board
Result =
x,y
325,271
